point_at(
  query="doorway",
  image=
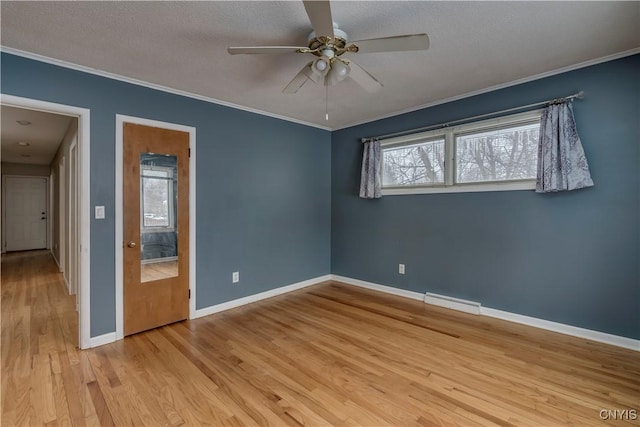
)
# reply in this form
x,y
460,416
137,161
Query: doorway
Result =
x,y
82,207
25,212
155,224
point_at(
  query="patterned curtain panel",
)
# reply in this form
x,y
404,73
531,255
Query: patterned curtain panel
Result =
x,y
562,165
371,177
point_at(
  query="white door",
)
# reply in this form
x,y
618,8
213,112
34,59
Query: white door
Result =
x,y
26,213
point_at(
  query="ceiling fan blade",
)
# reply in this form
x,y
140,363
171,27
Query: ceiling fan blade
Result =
x,y
363,78
391,44
298,81
319,12
263,49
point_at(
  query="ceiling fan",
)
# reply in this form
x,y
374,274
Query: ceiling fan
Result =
x,y
328,43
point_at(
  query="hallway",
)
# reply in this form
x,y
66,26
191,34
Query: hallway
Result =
x,y
41,364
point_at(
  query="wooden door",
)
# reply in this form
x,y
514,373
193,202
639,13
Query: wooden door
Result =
x,y
156,227
26,213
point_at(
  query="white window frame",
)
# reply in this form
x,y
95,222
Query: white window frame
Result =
x,y
170,204
449,134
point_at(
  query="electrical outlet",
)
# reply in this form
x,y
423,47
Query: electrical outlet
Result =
x,y
401,268
235,277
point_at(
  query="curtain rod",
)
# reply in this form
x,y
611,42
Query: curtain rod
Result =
x,y
569,98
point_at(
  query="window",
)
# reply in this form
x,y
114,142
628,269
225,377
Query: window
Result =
x,y
416,164
492,155
156,198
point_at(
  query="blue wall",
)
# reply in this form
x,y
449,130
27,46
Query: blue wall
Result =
x,y
571,258
263,185
278,202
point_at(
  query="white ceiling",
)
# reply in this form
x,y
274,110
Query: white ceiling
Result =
x,y
44,135
182,46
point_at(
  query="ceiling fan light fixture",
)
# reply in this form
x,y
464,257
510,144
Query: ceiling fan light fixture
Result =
x,y
338,72
318,69
321,64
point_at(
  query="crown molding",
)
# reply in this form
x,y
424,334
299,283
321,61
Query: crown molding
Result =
x,y
89,70
500,86
94,71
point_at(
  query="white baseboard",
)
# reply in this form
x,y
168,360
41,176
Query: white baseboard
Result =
x,y
454,304
562,328
258,297
377,287
102,339
55,259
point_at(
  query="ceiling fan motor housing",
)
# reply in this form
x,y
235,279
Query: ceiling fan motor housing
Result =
x,y
327,46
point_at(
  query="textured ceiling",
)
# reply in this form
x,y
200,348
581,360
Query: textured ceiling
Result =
x,y
182,45
44,135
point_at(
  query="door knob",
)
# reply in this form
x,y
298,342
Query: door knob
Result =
x,y
131,244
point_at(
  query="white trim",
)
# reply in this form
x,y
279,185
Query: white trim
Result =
x,y
119,215
158,260
462,188
53,255
102,339
62,216
498,122
50,211
471,307
260,296
562,328
546,74
89,70
84,199
603,337
72,260
380,288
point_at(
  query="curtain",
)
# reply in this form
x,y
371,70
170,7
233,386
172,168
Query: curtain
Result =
x,y
371,176
562,165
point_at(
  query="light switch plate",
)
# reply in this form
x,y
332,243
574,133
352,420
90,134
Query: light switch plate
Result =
x,y
99,212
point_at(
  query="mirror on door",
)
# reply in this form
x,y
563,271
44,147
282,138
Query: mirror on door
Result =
x,y
158,217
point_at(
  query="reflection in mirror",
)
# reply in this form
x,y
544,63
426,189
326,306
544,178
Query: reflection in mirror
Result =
x,y
158,216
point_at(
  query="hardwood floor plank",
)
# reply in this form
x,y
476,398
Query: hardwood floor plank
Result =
x,y
330,354
72,385
63,415
102,411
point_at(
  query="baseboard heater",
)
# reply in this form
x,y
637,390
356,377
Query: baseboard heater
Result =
x,y
452,303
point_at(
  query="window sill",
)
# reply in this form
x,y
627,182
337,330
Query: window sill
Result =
x,y
462,188
157,230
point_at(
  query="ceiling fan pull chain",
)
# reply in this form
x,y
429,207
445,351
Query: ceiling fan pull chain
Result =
x,y
326,103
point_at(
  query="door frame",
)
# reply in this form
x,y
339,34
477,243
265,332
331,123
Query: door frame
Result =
x,y
4,207
119,246
72,226
84,200
62,219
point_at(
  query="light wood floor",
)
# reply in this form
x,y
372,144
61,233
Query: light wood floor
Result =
x,y
158,271
326,355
